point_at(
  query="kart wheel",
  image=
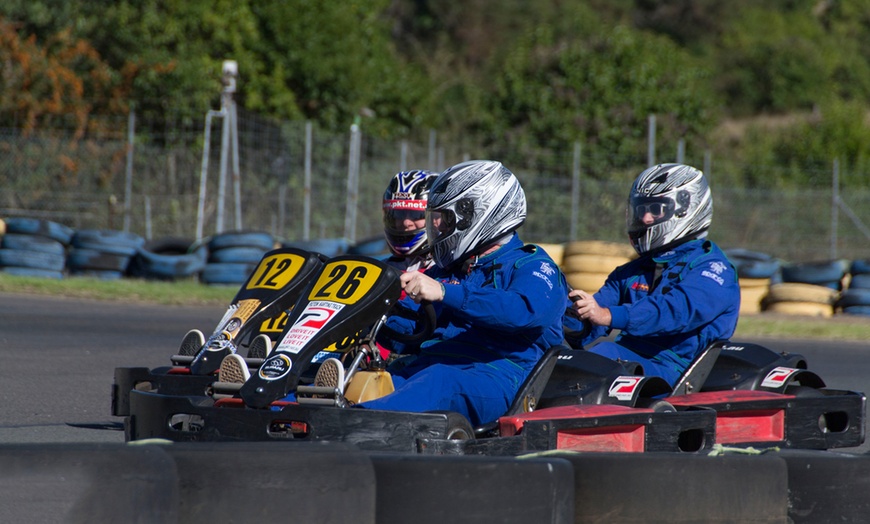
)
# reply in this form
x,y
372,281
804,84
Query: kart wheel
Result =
x,y
458,427
656,404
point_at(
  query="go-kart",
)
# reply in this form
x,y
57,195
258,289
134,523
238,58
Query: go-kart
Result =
x,y
735,394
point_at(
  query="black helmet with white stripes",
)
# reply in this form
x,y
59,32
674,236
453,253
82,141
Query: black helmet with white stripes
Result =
x,y
471,206
669,204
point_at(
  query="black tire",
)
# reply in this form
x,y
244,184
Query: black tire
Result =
x,y
169,246
458,427
32,243
329,247
656,404
158,266
31,259
827,274
36,226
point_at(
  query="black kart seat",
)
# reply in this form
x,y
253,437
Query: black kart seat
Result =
x,y
696,374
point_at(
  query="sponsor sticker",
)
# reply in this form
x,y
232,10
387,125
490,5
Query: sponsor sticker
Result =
x,y
275,367
777,377
623,387
315,315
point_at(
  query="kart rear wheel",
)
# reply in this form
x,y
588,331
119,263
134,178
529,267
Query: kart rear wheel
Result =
x,y
656,404
458,427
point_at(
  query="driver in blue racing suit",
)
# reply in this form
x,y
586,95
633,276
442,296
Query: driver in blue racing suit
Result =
x,y
499,302
680,295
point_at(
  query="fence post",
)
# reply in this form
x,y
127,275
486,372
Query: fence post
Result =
x,y
651,141
352,184
835,207
575,193
403,156
681,151
128,183
306,205
432,136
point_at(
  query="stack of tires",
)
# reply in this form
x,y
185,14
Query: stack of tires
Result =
x,y
169,259
556,252
233,256
375,247
855,300
807,289
328,247
587,263
102,253
34,247
755,272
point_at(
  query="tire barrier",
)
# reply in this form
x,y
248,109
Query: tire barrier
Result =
x,y
102,253
232,256
35,226
587,263
329,247
556,252
373,247
756,272
753,291
34,248
168,264
829,274
794,298
207,482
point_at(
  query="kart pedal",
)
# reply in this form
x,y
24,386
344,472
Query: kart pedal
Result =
x,y
234,370
191,343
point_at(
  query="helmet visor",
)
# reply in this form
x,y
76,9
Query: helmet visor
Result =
x,y
440,224
404,215
648,211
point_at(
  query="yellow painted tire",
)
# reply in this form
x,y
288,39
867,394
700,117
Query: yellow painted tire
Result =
x,y
751,298
2,227
556,251
590,282
592,263
746,283
600,247
799,292
813,309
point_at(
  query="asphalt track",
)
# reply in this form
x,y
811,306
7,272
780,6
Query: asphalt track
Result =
x,y
59,357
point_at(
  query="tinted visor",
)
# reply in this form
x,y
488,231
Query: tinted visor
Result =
x,y
440,224
400,215
648,211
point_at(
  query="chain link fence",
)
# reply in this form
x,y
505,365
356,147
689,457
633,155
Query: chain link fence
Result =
x,y
294,183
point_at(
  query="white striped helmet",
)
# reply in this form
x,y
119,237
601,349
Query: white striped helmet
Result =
x,y
471,205
668,204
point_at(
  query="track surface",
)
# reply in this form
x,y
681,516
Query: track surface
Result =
x,y
60,356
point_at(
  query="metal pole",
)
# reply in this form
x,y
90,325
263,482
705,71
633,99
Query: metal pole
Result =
x,y
237,178
432,137
203,174
835,206
575,192
306,205
222,177
651,141
147,217
403,156
352,184
681,151
128,184
708,163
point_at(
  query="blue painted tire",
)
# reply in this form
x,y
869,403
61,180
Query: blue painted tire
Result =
x,y
857,310
262,240
31,259
226,273
854,297
240,255
329,247
108,241
32,272
170,246
32,243
372,247
860,281
82,259
860,267
829,274
36,226
158,266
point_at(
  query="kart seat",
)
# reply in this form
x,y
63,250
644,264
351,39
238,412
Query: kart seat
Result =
x,y
696,374
531,389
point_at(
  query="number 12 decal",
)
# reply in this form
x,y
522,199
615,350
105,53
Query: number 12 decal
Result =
x,y
276,271
345,281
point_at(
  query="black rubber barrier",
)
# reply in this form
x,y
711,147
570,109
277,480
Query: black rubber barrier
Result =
x,y
827,487
459,489
87,483
273,482
673,488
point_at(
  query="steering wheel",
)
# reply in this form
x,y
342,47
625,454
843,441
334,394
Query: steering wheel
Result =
x,y
424,318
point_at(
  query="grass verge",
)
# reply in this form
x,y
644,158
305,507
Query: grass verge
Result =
x,y
191,293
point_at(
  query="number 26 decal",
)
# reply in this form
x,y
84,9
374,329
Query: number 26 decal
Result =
x,y
345,281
